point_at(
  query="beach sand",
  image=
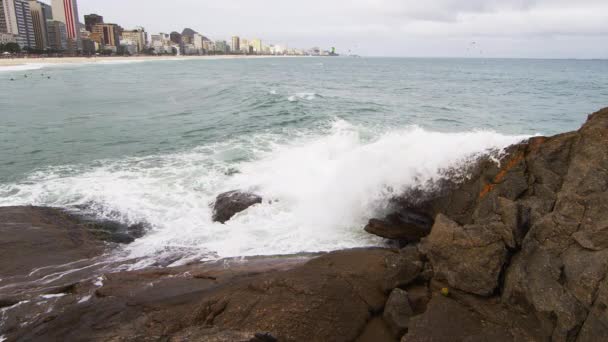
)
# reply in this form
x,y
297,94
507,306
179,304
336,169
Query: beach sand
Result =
x,y
11,62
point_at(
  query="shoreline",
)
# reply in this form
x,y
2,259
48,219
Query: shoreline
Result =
x,y
11,62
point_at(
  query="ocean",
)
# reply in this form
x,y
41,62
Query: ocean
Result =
x,y
326,141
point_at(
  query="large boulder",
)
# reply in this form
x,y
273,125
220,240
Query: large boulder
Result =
x,y
230,203
402,268
406,225
469,257
397,312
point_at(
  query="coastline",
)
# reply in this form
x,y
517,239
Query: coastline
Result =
x,y
11,62
515,252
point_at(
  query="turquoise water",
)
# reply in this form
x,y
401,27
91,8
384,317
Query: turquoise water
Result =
x,y
328,138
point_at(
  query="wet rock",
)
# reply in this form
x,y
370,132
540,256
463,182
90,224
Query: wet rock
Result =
x,y
469,257
35,237
330,298
231,203
406,225
402,268
397,312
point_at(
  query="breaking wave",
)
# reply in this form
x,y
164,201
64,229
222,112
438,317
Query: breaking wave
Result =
x,y
319,188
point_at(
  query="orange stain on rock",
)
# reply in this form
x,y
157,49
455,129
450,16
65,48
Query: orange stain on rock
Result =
x,y
502,174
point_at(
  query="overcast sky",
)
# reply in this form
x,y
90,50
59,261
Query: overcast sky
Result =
x,y
499,28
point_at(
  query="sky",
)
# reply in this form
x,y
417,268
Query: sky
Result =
x,y
414,28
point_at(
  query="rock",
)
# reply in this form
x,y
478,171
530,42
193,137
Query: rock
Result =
x,y
329,298
405,225
449,321
397,312
418,296
402,268
35,237
469,257
266,337
595,327
376,330
231,203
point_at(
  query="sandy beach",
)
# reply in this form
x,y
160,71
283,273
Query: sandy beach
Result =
x,y
11,62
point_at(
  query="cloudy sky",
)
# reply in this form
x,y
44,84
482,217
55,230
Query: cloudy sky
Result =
x,y
499,28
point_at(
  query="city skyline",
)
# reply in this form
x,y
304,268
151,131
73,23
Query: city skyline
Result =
x,y
435,28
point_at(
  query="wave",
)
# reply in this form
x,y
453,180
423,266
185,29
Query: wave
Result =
x,y
319,189
302,96
23,67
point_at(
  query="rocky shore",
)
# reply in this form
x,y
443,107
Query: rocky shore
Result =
x,y
517,251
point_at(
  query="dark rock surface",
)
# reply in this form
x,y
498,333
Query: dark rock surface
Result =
x,y
33,237
230,203
397,312
409,226
330,298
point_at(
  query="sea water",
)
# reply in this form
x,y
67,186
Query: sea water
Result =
x,y
326,141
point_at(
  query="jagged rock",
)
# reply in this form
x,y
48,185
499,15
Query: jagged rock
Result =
x,y
418,296
596,324
405,225
402,268
449,321
397,312
230,203
469,257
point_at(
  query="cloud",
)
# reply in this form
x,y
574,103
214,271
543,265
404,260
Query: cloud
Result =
x,y
378,26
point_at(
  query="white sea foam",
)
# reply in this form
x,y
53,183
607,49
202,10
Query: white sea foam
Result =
x,y
23,67
51,296
302,96
319,189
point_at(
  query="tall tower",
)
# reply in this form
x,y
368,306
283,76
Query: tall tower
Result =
x,y
39,11
66,11
236,44
8,17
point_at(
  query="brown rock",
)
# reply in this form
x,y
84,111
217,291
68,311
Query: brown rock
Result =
x,y
230,203
449,321
397,312
34,237
402,268
469,257
406,225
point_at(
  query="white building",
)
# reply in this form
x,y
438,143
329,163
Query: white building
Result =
x,y
7,38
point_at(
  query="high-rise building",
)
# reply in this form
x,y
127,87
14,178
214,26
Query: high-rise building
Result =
x,y
7,38
26,37
109,34
16,19
91,20
57,35
39,11
66,11
257,45
221,47
8,17
236,44
137,36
